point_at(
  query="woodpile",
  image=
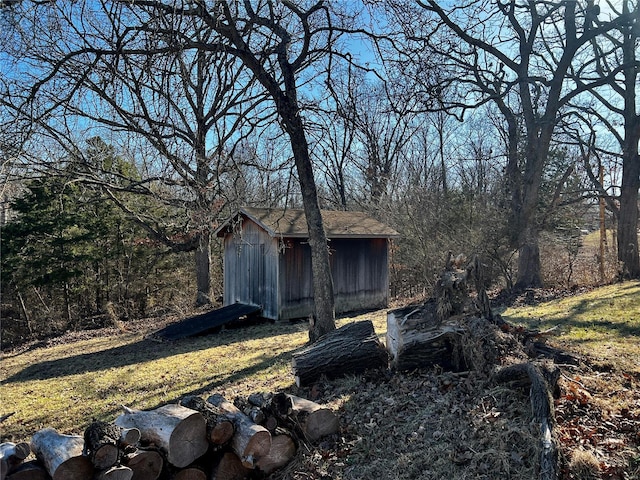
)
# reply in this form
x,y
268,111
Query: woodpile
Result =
x,y
197,439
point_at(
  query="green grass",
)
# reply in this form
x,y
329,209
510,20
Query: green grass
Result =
x,y
602,323
65,386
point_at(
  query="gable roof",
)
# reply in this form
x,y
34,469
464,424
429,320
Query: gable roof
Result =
x,y
280,222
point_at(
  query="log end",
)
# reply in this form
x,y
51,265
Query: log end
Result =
x,y
321,423
74,467
188,441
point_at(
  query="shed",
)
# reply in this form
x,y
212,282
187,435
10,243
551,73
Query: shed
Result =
x,y
267,261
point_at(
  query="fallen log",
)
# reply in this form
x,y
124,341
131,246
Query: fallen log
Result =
x,y
178,431
541,381
351,349
219,428
250,441
145,464
31,470
229,467
116,472
311,419
283,449
12,455
417,338
101,444
61,455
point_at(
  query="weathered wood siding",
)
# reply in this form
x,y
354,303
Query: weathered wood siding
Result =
x,y
360,276
251,269
295,282
360,273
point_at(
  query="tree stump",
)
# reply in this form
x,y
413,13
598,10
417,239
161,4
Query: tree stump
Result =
x,y
416,338
250,441
178,431
351,349
61,455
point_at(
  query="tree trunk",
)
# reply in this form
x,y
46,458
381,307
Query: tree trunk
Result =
x,y
628,220
178,431
203,267
324,302
250,441
529,275
12,455
145,464
61,455
353,348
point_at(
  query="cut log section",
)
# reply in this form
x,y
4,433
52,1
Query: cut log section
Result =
x,y
145,464
118,472
351,349
12,455
101,441
32,470
61,455
230,468
178,431
189,473
416,338
313,420
250,441
283,449
219,428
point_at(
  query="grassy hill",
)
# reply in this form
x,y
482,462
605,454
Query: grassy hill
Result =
x,y
422,424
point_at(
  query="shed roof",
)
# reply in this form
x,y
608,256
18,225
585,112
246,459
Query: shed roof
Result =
x,y
280,222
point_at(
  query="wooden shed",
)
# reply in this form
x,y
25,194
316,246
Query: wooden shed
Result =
x,y
267,261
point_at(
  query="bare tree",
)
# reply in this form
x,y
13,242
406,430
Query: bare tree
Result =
x,y
281,44
518,56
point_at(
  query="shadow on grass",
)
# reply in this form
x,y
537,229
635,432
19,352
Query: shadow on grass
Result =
x,y
574,319
147,350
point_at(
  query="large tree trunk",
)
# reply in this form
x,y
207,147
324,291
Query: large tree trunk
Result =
x,y
353,348
61,454
324,302
628,219
203,267
178,431
529,274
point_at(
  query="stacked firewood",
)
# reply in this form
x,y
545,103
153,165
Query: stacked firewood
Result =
x,y
196,439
